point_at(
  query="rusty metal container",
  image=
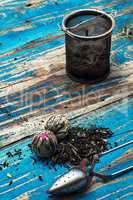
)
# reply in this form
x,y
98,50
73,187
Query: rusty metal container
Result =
x,y
88,42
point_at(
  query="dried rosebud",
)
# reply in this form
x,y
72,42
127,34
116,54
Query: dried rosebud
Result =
x,y
59,124
44,144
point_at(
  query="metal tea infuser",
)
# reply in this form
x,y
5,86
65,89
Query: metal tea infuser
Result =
x,y
88,42
79,178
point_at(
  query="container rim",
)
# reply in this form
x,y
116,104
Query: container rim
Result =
x,y
67,31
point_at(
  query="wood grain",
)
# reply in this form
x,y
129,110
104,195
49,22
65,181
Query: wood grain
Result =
x,y
26,185
33,84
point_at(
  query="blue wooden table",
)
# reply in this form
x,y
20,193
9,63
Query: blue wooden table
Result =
x,y
33,84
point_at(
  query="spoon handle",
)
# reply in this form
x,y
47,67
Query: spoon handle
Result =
x,y
114,175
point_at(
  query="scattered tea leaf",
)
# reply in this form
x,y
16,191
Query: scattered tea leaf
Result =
x,y
9,175
40,178
10,183
29,145
27,21
9,154
34,161
116,144
28,4
5,164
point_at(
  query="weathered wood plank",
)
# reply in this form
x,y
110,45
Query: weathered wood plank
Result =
x,y
26,185
26,73
39,43
33,82
30,88
36,100
18,131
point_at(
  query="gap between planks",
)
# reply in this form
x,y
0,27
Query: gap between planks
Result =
x,y
31,127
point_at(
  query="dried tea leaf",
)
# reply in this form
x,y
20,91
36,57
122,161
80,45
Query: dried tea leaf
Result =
x,y
40,178
10,183
9,175
5,164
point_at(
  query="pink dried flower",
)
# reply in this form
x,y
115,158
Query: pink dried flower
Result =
x,y
44,135
44,144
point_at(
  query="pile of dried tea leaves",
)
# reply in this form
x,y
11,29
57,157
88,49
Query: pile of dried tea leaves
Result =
x,y
81,144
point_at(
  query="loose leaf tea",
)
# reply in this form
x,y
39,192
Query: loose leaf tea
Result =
x,y
80,144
